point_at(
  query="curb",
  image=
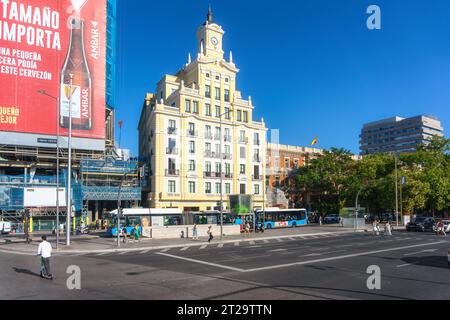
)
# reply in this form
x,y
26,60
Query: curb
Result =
x,y
155,248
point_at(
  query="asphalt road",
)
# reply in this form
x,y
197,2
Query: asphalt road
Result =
x,y
413,266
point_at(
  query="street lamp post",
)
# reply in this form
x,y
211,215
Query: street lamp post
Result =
x,y
356,208
221,175
69,181
43,92
118,210
396,189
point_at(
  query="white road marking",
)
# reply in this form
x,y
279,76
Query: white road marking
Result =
x,y
203,247
311,255
237,244
122,253
266,241
102,254
406,265
185,248
252,242
165,250
279,240
255,247
144,252
293,239
418,252
202,262
342,257
277,250
220,245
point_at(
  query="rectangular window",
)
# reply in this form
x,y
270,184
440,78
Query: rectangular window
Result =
x,y
208,147
172,186
191,165
287,163
195,106
256,172
245,116
207,91
227,95
208,167
191,187
188,105
191,146
295,163
217,113
218,168
256,188
256,139
217,94
227,114
227,150
172,125
242,169
239,115
242,189
208,187
218,189
227,188
227,169
243,152
208,109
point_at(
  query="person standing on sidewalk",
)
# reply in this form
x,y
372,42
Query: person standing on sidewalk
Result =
x,y
45,251
320,220
195,232
209,232
388,229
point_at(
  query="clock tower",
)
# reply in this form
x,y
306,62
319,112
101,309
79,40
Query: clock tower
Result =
x,y
210,37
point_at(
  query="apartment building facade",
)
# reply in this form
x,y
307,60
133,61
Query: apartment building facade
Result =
x,y
197,135
397,135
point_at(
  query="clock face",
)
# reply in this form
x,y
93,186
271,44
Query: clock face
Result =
x,y
214,41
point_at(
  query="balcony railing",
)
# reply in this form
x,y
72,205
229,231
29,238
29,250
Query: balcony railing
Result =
x,y
172,173
217,137
208,135
256,159
210,154
192,133
243,140
227,156
172,151
171,130
209,174
228,176
257,177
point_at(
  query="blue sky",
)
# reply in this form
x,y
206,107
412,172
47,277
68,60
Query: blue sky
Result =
x,y
312,67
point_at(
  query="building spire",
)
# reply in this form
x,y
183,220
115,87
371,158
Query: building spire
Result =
x,y
209,16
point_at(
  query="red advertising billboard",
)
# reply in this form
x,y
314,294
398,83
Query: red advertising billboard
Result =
x,y
52,65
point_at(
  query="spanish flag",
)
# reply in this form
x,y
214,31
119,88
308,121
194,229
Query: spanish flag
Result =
x,y
314,142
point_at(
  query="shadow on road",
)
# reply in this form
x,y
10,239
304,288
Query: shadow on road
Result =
x,y
25,271
429,261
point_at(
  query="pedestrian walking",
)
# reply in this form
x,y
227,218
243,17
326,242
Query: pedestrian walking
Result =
x,y
388,229
209,232
247,229
375,226
341,221
137,233
195,232
320,220
124,231
45,251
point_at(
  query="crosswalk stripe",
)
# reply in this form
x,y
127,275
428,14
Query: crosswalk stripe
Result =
x,y
266,241
184,249
252,242
145,251
165,250
102,254
203,247
279,240
293,239
122,253
220,245
237,244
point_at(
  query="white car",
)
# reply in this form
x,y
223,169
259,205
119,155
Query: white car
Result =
x,y
446,225
5,227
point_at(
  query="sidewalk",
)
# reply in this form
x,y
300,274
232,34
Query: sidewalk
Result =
x,y
83,244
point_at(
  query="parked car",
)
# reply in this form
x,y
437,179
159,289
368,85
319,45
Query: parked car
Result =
x,y
5,227
331,218
421,224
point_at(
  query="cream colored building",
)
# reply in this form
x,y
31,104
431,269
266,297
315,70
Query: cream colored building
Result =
x,y
181,138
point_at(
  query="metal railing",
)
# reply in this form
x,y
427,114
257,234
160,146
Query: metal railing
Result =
x,y
192,133
208,135
172,151
171,130
172,173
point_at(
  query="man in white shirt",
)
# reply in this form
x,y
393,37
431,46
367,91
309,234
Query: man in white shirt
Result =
x,y
45,251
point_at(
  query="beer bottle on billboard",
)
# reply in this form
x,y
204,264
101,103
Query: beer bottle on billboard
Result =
x,y
80,96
